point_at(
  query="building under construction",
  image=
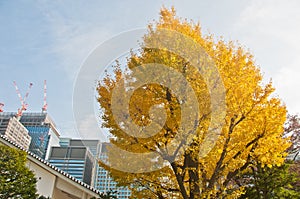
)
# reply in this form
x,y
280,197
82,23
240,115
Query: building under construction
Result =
x,y
34,131
40,128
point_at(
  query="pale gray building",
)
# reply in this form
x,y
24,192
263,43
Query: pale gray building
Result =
x,y
14,130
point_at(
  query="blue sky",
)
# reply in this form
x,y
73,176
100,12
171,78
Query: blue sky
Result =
x,y
51,39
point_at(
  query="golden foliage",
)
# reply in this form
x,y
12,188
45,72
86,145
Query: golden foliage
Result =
x,y
251,132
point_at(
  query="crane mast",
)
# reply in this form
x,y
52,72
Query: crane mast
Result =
x,y
24,105
45,105
1,107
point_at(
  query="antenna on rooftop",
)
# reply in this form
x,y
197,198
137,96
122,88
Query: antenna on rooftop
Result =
x,y
44,108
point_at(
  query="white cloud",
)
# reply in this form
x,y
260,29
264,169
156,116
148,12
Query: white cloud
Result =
x,y
79,28
271,29
286,80
74,41
88,128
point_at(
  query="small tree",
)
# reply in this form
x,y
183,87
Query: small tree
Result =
x,y
292,129
277,181
274,182
295,169
16,180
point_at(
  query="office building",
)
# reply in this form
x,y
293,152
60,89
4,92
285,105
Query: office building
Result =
x,y
11,128
93,145
43,133
103,182
40,128
77,161
100,177
64,142
52,182
90,146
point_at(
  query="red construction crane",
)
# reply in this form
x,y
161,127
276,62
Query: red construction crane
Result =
x,y
1,106
24,105
44,108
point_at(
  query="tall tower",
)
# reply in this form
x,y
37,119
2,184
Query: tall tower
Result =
x,y
43,133
78,161
103,182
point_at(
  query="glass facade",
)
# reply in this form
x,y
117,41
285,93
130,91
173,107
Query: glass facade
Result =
x,y
73,167
77,161
41,129
100,177
103,182
64,142
43,132
39,140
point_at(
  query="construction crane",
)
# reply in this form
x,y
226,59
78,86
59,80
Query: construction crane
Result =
x,y
1,107
24,105
44,108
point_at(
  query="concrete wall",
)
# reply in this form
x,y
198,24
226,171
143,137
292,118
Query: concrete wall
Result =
x,y
55,185
45,179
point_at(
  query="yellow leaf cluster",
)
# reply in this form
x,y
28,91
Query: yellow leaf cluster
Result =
x,y
251,132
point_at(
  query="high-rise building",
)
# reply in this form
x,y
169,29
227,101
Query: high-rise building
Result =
x,y
14,130
43,133
103,181
93,147
51,181
64,142
41,129
78,161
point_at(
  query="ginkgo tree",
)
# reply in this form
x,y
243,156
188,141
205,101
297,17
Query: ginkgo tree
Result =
x,y
205,128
